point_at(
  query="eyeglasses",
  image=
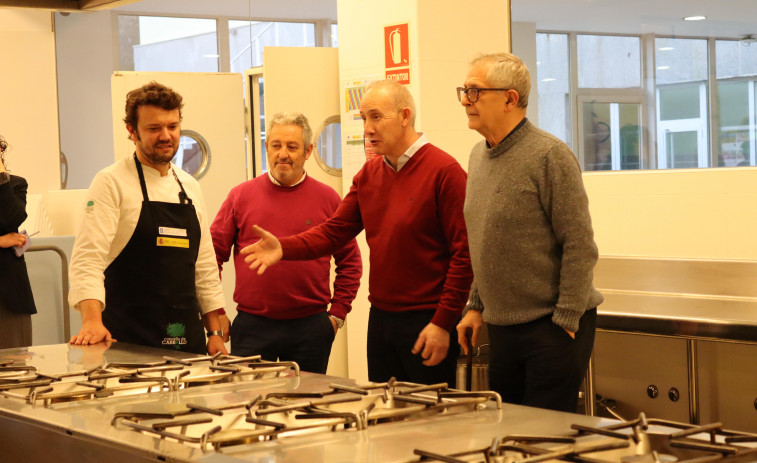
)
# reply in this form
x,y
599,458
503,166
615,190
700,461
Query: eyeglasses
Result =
x,y
472,93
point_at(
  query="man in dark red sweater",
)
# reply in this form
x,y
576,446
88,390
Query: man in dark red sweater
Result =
x,y
283,314
410,201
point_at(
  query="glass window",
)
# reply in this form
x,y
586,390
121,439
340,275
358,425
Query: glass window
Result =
x,y
248,38
680,60
611,136
681,69
735,58
157,43
608,61
334,36
734,103
553,84
681,102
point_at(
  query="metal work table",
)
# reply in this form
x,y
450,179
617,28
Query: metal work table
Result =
x,y
692,318
82,431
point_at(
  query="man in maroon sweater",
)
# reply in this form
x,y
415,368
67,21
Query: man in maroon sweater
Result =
x,y
410,201
283,314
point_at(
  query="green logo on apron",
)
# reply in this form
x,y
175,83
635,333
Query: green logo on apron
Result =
x,y
176,333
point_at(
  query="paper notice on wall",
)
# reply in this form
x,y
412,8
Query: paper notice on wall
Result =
x,y
353,93
354,156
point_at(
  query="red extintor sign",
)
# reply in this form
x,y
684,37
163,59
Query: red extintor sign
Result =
x,y
397,53
396,48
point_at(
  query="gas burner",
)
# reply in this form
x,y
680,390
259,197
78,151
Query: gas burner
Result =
x,y
282,414
635,441
170,374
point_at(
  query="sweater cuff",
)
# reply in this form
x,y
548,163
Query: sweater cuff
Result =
x,y
567,319
445,319
288,248
339,310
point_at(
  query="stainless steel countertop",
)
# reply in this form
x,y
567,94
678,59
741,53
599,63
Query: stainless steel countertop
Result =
x,y
387,442
694,317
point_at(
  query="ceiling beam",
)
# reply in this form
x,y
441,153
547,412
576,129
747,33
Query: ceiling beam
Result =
x,y
66,5
92,5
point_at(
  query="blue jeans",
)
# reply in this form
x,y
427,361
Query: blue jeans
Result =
x,y
305,340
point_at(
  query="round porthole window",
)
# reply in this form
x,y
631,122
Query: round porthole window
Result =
x,y
328,146
193,156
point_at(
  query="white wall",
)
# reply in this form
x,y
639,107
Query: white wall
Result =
x,y
703,213
29,116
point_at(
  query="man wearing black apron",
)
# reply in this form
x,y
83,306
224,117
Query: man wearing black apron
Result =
x,y
149,251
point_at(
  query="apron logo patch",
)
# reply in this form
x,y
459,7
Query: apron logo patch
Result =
x,y
176,335
90,206
173,242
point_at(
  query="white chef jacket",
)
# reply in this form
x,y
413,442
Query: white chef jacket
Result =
x,y
114,201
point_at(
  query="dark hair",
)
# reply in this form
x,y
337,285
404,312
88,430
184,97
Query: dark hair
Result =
x,y
152,94
3,147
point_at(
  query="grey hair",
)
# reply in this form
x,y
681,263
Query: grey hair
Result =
x,y
400,94
292,118
507,71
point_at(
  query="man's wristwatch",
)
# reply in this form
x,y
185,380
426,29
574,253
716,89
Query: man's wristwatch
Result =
x,y
339,322
215,333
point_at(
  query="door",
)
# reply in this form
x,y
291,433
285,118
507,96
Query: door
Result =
x,y
306,80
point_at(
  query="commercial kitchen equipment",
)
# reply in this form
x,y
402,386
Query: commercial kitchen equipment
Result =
x,y
125,403
677,338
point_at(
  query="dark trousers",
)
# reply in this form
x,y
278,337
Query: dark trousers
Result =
x,y
539,364
306,340
391,336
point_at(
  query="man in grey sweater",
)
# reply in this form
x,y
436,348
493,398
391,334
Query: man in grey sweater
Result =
x,y
531,243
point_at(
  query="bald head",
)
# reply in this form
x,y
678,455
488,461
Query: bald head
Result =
x,y
398,95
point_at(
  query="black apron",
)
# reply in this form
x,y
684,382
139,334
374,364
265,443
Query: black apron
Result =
x,y
150,294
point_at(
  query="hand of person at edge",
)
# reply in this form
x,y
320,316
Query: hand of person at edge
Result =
x,y
12,239
215,345
263,253
225,323
91,332
333,323
432,344
473,320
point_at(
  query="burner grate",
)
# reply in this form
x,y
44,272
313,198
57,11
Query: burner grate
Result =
x,y
635,441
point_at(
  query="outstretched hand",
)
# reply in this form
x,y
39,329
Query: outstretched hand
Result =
x,y
263,253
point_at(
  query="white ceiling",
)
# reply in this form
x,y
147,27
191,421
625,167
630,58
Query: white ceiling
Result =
x,y
725,18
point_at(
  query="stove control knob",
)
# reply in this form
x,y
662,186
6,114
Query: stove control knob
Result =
x,y
652,391
673,394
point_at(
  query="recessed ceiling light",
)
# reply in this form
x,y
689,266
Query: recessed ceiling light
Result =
x,y
210,56
665,49
662,68
694,18
549,79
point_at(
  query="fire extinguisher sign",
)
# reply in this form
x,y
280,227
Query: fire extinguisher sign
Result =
x,y
397,53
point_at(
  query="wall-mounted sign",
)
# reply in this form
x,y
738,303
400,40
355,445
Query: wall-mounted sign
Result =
x,y
397,53
396,48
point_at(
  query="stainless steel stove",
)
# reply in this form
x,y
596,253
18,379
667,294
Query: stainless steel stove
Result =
x,y
131,404
636,441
